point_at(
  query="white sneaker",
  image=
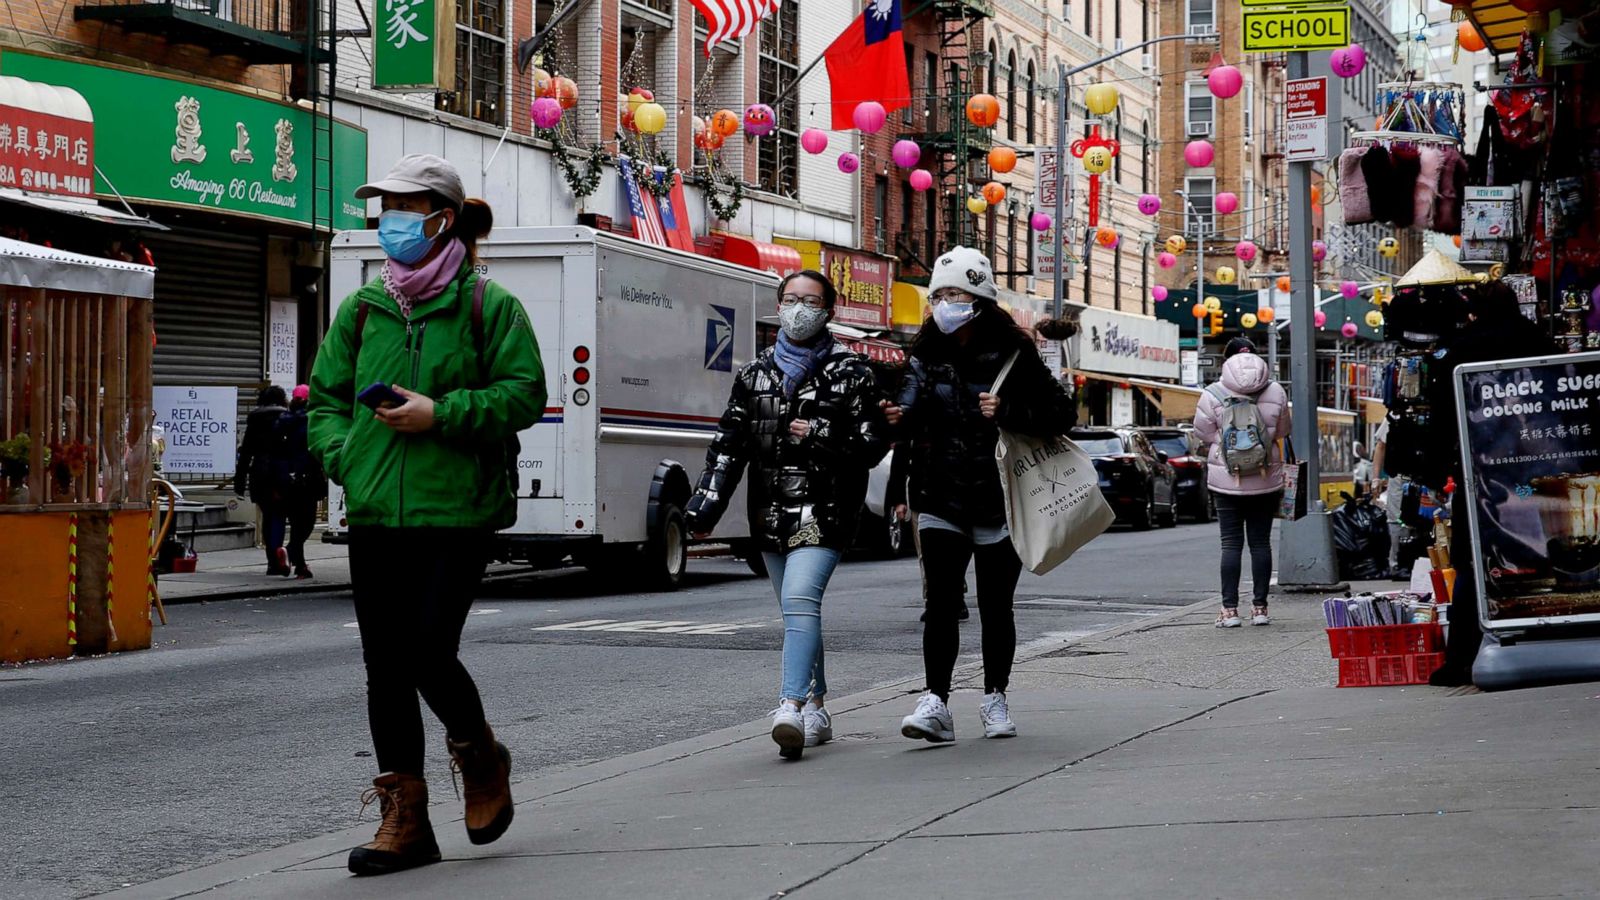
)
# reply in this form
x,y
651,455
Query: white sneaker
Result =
x,y
1260,617
931,722
788,730
996,716
819,724
1229,618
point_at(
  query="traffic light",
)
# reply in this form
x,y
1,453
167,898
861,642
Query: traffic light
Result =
x,y
1216,322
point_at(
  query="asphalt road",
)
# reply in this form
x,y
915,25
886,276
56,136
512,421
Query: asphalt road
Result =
x,y
244,728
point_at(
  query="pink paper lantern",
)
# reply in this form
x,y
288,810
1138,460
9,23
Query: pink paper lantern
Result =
x,y
1319,251
1320,319
1166,260
1226,202
1245,250
1149,204
921,180
1199,154
1225,81
1041,221
1347,62
814,140
1158,293
869,116
849,163
546,112
1350,289
1349,329
760,120
906,154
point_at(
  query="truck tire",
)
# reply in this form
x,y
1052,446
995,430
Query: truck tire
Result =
x,y
755,562
666,556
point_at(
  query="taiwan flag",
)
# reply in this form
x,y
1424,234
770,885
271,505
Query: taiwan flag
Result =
x,y
868,62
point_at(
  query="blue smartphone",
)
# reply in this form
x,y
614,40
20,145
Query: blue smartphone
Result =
x,y
380,396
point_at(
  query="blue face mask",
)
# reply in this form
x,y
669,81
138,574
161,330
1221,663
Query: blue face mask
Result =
x,y
401,235
952,314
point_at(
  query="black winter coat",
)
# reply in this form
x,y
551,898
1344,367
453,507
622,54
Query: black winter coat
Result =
x,y
253,473
803,492
951,443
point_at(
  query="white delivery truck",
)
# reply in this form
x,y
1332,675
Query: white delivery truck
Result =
x,y
640,346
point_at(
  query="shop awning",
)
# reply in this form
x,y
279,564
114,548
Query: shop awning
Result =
x,y
1499,23
910,305
1176,401
83,209
32,266
774,258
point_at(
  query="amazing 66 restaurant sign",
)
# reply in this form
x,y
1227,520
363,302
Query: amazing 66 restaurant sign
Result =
x,y
1121,344
87,129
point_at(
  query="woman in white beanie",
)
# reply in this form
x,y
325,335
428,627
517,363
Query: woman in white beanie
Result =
x,y
950,420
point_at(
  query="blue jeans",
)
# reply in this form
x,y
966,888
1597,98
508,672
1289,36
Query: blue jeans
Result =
x,y
799,578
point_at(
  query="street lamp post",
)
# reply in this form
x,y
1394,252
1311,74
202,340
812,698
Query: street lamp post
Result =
x,y
1199,280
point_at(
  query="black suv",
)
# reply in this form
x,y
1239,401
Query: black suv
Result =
x,y
1134,476
1188,461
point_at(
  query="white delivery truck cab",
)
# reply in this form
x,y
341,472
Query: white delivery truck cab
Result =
x,y
640,346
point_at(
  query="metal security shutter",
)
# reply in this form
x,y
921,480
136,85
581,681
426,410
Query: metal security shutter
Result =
x,y
210,307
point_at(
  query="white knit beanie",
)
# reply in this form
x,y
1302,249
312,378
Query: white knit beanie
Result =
x,y
964,268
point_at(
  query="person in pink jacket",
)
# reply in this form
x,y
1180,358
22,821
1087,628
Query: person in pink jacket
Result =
x,y
1246,502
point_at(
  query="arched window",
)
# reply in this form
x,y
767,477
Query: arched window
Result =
x,y
1011,96
992,85
1033,101
1144,156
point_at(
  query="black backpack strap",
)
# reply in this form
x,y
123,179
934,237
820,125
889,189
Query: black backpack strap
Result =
x,y
362,309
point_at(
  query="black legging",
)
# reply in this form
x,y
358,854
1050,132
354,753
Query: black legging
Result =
x,y
945,555
1241,516
302,516
413,588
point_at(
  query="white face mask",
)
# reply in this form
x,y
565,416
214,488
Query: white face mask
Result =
x,y
801,322
952,314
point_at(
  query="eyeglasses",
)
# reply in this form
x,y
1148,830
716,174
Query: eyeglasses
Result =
x,y
814,301
949,295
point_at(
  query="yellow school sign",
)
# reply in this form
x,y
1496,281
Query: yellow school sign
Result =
x,y
1277,29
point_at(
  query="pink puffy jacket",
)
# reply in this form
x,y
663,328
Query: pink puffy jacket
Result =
x,y
1245,374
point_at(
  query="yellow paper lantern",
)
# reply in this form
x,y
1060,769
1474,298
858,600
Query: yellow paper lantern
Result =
x,y
1097,160
650,118
1389,248
1248,320
1176,245
1213,304
1225,274
1374,319
977,205
1101,99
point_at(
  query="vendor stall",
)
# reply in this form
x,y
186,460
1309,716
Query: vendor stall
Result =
x,y
76,338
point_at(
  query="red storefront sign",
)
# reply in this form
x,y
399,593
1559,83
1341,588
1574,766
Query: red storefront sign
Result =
x,y
877,351
46,153
864,283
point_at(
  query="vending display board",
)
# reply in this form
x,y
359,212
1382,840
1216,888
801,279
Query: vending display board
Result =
x,y
1530,444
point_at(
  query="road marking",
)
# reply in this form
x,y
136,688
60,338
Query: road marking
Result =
x,y
652,626
483,612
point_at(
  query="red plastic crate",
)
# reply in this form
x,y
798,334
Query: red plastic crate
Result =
x,y
1383,671
1385,640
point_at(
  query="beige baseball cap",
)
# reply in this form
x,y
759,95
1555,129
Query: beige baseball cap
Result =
x,y
415,173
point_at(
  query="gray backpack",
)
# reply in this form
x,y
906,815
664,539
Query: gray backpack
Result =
x,y
1243,437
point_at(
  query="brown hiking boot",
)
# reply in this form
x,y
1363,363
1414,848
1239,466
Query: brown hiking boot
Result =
x,y
405,837
485,766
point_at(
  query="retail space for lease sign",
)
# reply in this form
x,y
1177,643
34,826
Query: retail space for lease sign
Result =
x,y
198,424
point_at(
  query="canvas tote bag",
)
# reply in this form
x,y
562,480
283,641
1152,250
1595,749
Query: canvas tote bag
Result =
x,y
1052,493
1292,505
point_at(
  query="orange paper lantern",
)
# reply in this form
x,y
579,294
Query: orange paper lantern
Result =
x,y
983,110
1266,314
1457,240
1316,195
994,192
1468,38
1106,236
1198,310
1002,159
725,122
1283,286
566,92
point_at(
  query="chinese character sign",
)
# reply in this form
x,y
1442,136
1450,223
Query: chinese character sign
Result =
x,y
864,283
413,45
46,153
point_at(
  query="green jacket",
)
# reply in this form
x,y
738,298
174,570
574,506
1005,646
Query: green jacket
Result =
x,y
453,476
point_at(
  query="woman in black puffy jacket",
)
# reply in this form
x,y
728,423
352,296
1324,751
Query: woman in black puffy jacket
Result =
x,y
804,416
950,419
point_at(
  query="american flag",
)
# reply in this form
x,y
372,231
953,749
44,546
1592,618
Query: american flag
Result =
x,y
729,20
644,212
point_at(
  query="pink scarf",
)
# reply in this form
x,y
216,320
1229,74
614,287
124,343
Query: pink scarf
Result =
x,y
409,284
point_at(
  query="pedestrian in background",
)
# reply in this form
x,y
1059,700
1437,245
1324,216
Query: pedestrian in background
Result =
x,y
253,475
950,424
298,478
426,483
1243,418
804,416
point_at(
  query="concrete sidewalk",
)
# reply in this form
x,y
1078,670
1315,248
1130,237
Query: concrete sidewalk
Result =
x,y
1166,758
236,574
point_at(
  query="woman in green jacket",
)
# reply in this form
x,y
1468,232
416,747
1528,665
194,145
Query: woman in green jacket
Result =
x,y
426,483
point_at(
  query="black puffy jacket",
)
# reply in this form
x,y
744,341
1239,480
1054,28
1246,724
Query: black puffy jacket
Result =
x,y
952,444
803,492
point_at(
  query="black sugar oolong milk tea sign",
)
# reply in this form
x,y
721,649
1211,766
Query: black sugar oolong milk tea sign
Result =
x,y
1530,439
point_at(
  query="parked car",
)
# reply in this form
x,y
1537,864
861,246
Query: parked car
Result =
x,y
1188,460
1134,476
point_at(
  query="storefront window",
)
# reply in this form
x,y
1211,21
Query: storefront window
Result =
x,y
779,67
480,62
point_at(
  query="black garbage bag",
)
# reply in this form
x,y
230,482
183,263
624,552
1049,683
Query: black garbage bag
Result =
x,y
1361,537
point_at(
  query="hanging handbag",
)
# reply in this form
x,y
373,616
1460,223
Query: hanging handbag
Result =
x,y
1292,505
1052,494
